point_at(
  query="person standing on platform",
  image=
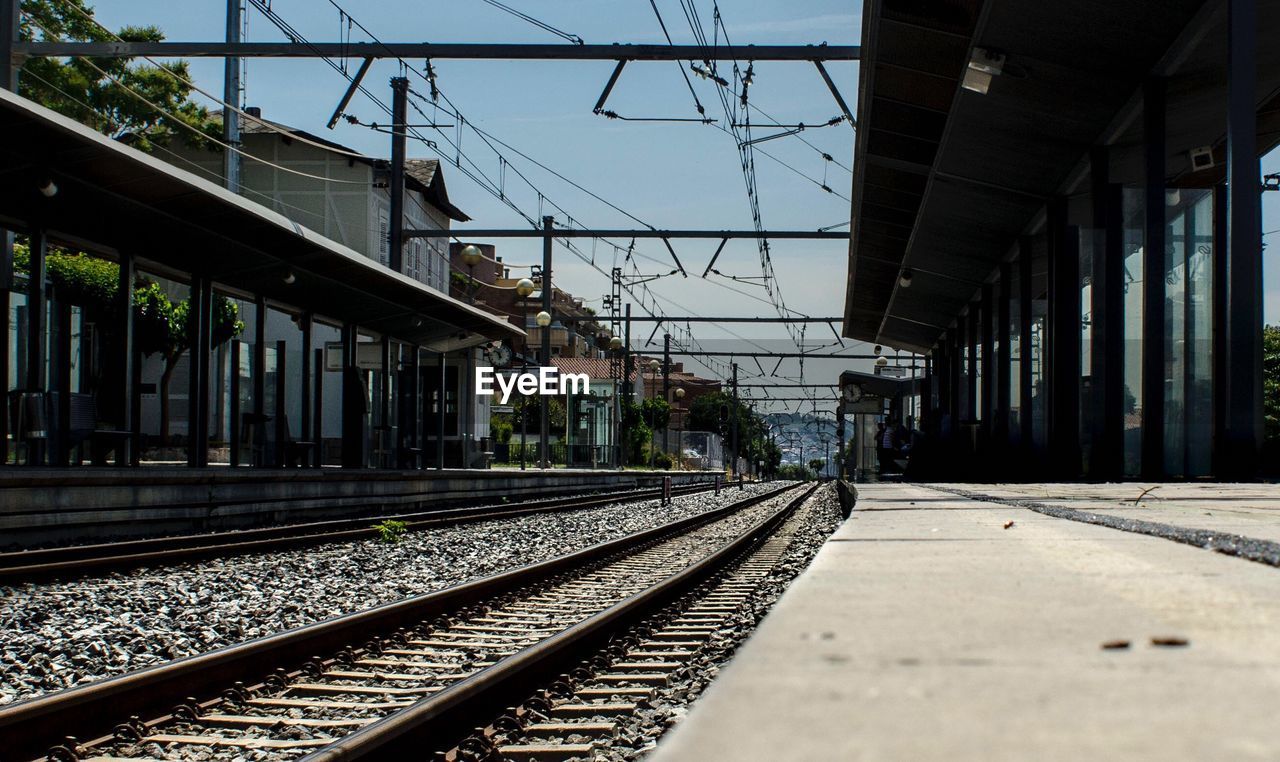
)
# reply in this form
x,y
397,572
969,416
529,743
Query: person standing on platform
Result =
x,y
886,447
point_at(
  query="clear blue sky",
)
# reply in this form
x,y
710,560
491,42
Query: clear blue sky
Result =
x,y
678,176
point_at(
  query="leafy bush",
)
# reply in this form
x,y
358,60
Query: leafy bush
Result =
x,y
391,531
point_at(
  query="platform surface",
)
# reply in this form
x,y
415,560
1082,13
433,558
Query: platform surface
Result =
x,y
925,630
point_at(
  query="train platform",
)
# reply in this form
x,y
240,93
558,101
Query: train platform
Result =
x,y
930,627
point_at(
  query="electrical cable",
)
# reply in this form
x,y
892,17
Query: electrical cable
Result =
x,y
541,24
189,127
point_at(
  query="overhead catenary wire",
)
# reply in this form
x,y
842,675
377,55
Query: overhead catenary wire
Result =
x,y
191,128
242,113
575,39
646,298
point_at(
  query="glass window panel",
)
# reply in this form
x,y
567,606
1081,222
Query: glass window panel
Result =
x,y
1175,348
1199,392
1015,354
1133,319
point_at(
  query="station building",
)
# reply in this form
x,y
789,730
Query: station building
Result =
x,y
296,343
1059,205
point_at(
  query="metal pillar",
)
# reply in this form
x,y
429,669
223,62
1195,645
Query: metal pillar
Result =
x,y
666,390
545,358
1244,239
972,343
60,383
956,357
1026,418
627,388
126,358
1107,313
37,309
441,401
200,324
940,365
409,409
1004,357
9,15
1221,366
987,331
733,418
317,428
353,401
1153,277
281,411
1064,342
233,412
258,429
399,138
305,424
231,97
383,428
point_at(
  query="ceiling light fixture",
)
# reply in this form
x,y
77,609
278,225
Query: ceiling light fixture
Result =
x,y
984,64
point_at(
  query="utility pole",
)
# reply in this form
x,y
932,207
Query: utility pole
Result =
x,y
626,378
626,354
9,15
666,390
547,222
733,421
399,109
231,100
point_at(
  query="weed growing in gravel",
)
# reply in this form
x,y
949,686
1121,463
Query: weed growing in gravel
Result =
x,y
391,531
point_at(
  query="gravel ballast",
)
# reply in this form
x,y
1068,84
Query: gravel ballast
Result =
x,y
61,634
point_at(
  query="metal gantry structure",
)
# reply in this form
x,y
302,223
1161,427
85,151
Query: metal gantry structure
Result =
x,y
233,50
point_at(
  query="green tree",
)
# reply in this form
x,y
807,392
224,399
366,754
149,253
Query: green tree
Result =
x,y
716,412
1271,381
772,457
95,91
816,464
635,432
657,413
529,406
794,472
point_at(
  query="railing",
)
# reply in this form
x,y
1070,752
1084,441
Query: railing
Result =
x,y
558,453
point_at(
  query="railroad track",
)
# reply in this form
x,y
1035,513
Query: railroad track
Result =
x,y
659,659
359,684
19,566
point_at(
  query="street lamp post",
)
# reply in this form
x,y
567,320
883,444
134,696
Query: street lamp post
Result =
x,y
615,427
524,287
545,315
471,256
543,319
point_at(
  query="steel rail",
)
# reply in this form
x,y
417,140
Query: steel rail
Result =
x,y
26,565
453,711
90,712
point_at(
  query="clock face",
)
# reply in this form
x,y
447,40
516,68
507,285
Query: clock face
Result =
x,y
500,355
852,393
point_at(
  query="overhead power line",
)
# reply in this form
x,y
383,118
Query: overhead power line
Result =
x,y
575,39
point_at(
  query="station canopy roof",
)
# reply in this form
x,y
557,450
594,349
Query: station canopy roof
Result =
x,y
946,179
113,198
